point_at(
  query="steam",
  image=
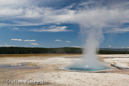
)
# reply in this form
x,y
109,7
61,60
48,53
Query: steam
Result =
x,y
94,36
93,22
92,45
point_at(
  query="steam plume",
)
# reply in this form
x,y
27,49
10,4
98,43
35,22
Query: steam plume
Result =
x,y
94,21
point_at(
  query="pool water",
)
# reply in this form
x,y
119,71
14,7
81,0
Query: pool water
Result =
x,y
83,68
9,66
18,67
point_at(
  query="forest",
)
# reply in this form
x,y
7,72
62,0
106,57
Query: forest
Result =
x,y
62,50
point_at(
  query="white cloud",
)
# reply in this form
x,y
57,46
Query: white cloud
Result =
x,y
15,28
52,29
6,45
30,40
109,46
57,40
76,46
117,30
12,2
16,39
20,12
20,15
68,41
34,44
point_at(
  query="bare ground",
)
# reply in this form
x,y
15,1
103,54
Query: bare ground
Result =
x,y
46,68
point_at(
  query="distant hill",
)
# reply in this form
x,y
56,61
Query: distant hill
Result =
x,y
62,50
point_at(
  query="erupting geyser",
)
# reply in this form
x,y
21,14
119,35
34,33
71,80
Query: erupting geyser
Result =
x,y
96,17
90,61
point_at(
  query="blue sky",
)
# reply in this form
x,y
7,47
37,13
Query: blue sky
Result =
x,y
59,23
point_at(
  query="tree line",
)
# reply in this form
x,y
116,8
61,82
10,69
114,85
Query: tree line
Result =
x,y
63,50
25,50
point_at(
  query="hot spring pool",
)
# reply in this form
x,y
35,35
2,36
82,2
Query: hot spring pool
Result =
x,y
84,68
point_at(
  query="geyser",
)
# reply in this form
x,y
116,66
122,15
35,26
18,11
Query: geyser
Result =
x,y
96,17
89,61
